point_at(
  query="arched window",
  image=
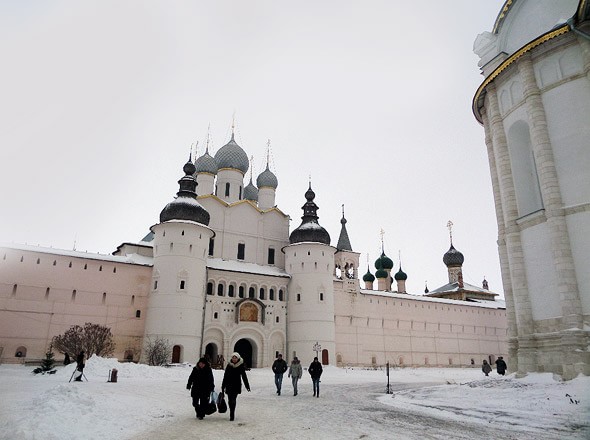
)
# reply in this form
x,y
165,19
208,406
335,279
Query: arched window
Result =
x,y
209,288
230,291
220,289
251,292
241,292
138,313
261,293
227,189
271,294
281,296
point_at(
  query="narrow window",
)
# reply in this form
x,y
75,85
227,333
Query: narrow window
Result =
x,y
271,294
100,268
241,251
85,266
308,252
73,295
211,246
155,284
182,233
38,260
138,313
251,292
181,284
230,291
21,259
281,296
227,189
190,248
47,293
114,270
240,195
261,296
171,246
241,292
70,265
104,297
220,289
209,288
321,296
271,256
132,299
14,290
277,319
55,262
298,297
215,315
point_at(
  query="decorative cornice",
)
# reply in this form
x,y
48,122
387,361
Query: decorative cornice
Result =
x,y
502,15
479,94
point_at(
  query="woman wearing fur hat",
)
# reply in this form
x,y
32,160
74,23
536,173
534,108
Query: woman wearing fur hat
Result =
x,y
235,373
201,384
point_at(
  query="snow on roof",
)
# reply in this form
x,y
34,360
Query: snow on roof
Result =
x,y
454,287
127,259
241,266
499,304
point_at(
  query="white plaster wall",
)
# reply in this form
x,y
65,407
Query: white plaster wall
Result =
x,y
205,183
236,180
266,197
540,272
578,225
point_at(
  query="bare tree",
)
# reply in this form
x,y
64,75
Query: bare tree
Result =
x,y
92,338
157,351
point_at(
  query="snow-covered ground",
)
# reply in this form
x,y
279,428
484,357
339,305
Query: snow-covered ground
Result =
x,y
153,403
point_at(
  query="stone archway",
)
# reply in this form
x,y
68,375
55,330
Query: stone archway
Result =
x,y
247,349
176,354
211,352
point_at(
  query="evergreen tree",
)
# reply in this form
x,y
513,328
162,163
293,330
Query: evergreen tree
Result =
x,y
48,362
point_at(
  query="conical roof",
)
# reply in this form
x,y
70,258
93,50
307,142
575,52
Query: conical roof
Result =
x,y
310,230
185,206
343,240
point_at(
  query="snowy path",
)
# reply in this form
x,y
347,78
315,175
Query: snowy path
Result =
x,y
342,412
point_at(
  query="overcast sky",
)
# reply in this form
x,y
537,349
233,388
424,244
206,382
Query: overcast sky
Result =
x,y
100,102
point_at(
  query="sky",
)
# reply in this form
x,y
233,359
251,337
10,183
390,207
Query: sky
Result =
x,y
151,403
102,102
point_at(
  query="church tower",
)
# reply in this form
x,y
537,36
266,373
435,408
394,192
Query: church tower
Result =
x,y
177,295
309,259
346,260
233,164
267,187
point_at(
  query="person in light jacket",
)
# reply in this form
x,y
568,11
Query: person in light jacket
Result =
x,y
315,370
235,373
201,384
295,372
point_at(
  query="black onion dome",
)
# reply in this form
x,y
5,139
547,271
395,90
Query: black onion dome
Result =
x,y
267,178
251,192
453,257
185,206
206,164
231,155
400,275
368,276
310,230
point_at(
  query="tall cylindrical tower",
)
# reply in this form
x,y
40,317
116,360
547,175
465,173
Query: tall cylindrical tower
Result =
x,y
177,295
309,259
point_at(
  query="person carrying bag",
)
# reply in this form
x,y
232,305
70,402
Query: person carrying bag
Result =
x,y
221,405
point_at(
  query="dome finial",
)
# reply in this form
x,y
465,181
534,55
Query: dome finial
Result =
x,y
382,233
450,227
233,125
208,138
267,153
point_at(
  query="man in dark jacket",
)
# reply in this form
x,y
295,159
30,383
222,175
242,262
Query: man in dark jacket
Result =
x,y
315,370
201,384
501,366
279,366
80,366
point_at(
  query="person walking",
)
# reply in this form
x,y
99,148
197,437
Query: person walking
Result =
x,y
315,370
501,366
295,372
80,365
486,368
201,384
279,366
235,373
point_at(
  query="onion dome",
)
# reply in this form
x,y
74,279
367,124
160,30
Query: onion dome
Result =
x,y
381,273
267,178
368,276
383,262
400,275
206,164
251,192
185,206
310,230
453,257
231,155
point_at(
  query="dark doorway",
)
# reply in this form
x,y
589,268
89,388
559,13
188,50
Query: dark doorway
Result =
x,y
325,360
211,352
176,354
244,347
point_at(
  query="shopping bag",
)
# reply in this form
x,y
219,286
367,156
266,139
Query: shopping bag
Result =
x,y
211,407
221,405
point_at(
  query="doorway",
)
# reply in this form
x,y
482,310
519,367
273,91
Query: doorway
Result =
x,y
176,354
244,347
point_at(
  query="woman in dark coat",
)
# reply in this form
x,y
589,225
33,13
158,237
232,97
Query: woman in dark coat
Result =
x,y
235,373
201,384
501,366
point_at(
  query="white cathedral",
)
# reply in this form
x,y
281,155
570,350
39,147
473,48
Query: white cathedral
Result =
x,y
222,272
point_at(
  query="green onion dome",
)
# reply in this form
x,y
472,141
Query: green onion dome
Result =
x,y
368,276
381,273
400,275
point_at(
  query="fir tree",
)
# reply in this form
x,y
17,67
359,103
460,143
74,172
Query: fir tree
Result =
x,y
48,362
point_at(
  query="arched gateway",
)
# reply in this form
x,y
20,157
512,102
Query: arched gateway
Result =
x,y
247,349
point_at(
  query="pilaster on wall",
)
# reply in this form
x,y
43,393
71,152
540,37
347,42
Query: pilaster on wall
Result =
x,y
567,284
514,255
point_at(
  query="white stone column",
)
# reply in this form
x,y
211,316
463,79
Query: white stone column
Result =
x,y
567,284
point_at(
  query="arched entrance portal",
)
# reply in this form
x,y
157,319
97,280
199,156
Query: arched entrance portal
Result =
x,y
247,350
211,352
176,354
